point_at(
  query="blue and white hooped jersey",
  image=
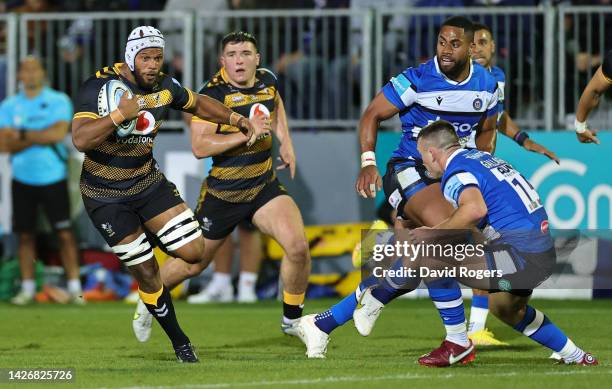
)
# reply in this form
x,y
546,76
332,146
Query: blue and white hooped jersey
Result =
x,y
424,95
515,212
500,77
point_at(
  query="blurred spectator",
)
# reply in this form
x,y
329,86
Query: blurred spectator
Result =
x,y
302,66
33,124
348,98
30,6
172,29
35,29
111,5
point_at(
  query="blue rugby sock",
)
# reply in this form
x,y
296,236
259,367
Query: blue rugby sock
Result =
x,y
446,296
538,327
337,315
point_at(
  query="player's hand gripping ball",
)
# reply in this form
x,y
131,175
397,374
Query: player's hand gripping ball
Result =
x,y
108,101
259,115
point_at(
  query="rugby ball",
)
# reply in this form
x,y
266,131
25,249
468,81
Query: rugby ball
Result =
x,y
259,109
108,101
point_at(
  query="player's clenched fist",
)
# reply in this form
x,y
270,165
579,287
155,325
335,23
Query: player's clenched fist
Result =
x,y
128,106
368,182
261,127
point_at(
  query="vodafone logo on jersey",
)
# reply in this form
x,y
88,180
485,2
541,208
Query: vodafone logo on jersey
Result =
x,y
258,109
145,123
544,226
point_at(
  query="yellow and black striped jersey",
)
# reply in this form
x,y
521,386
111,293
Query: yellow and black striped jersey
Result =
x,y
239,174
124,168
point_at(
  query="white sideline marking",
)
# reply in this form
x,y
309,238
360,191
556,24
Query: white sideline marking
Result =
x,y
308,381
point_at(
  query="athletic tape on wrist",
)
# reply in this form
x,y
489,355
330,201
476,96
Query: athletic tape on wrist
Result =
x,y
368,158
580,126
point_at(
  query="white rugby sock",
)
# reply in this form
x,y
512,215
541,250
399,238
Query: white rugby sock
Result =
x,y
221,280
570,352
457,333
247,280
74,286
478,318
28,287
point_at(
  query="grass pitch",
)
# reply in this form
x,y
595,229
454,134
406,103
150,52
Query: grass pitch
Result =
x,y
241,346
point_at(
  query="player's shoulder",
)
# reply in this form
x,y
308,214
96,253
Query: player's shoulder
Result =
x,y
267,76
464,166
498,73
484,77
417,72
467,160
425,76
407,78
216,82
108,72
166,81
98,79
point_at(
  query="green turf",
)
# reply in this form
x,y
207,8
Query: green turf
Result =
x,y
241,346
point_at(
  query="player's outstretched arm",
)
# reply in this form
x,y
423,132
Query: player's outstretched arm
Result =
x,y
209,109
205,142
280,127
471,210
369,180
89,133
589,99
508,127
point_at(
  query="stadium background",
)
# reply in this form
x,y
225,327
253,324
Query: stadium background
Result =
x,y
331,58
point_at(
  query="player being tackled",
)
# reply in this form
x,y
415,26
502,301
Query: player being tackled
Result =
x,y
517,253
451,87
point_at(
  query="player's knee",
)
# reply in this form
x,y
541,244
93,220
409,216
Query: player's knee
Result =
x,y
193,253
148,271
182,235
297,249
194,269
508,311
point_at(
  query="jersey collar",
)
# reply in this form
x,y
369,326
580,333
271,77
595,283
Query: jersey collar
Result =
x,y
224,75
453,155
453,82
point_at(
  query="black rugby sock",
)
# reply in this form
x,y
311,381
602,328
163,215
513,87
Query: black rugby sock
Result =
x,y
160,306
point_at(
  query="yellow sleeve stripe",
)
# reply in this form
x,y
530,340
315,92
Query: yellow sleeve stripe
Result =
x,y
190,101
88,115
607,78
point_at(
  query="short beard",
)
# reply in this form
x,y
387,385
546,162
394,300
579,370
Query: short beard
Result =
x,y
142,83
457,69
